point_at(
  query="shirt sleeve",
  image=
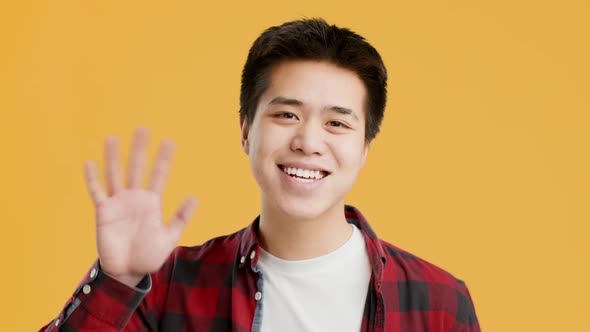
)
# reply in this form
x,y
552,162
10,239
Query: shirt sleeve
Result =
x,y
466,317
100,303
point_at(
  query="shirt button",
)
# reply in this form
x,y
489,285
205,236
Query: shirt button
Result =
x,y
242,260
253,254
257,296
57,322
86,289
93,273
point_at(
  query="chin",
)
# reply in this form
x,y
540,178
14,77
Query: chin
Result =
x,y
308,210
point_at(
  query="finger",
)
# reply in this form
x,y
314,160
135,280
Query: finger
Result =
x,y
137,157
113,165
162,166
93,183
182,217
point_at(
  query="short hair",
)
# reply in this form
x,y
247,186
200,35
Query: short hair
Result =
x,y
315,39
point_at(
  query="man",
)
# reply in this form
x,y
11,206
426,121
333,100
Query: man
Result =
x,y
312,100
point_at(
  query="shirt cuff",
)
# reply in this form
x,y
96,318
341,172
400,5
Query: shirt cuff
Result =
x,y
107,299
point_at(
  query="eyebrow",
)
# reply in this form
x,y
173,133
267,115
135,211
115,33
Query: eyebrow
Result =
x,y
295,102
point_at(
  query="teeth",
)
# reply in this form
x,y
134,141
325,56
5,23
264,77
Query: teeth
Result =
x,y
307,175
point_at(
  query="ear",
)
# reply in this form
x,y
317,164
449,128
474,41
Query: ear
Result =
x,y
365,152
245,128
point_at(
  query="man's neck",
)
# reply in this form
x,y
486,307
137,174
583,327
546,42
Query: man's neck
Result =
x,y
290,238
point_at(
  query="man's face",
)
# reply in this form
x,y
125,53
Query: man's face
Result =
x,y
306,143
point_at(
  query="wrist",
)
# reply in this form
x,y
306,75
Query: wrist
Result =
x,y
128,280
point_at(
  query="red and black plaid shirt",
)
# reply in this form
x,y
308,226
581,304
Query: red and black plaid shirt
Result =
x,y
214,287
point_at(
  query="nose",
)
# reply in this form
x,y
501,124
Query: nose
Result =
x,y
309,139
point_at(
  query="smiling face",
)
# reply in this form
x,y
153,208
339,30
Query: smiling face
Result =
x,y
306,143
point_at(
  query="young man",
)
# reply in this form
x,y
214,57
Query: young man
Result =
x,y
312,100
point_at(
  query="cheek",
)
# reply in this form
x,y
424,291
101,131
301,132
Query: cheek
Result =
x,y
349,156
266,142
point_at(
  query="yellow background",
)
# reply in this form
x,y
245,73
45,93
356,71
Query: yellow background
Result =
x,y
482,166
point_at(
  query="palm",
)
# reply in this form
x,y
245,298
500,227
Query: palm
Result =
x,y
129,232
131,237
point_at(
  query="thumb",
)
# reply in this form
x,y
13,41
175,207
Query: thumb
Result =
x,y
181,218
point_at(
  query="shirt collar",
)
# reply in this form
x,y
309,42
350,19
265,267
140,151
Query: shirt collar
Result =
x,y
249,243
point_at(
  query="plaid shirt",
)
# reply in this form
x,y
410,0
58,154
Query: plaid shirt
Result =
x,y
214,287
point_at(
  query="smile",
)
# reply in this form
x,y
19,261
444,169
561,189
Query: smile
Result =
x,y
303,175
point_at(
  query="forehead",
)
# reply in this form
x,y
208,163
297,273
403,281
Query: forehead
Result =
x,y
318,84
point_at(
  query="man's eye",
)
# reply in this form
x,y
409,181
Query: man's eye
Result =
x,y
286,115
337,124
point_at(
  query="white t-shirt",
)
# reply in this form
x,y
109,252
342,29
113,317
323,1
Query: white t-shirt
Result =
x,y
325,293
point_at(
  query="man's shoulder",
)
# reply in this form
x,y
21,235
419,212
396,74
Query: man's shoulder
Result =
x,y
222,250
411,284
403,266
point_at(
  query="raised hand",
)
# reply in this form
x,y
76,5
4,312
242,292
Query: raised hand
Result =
x,y
131,237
